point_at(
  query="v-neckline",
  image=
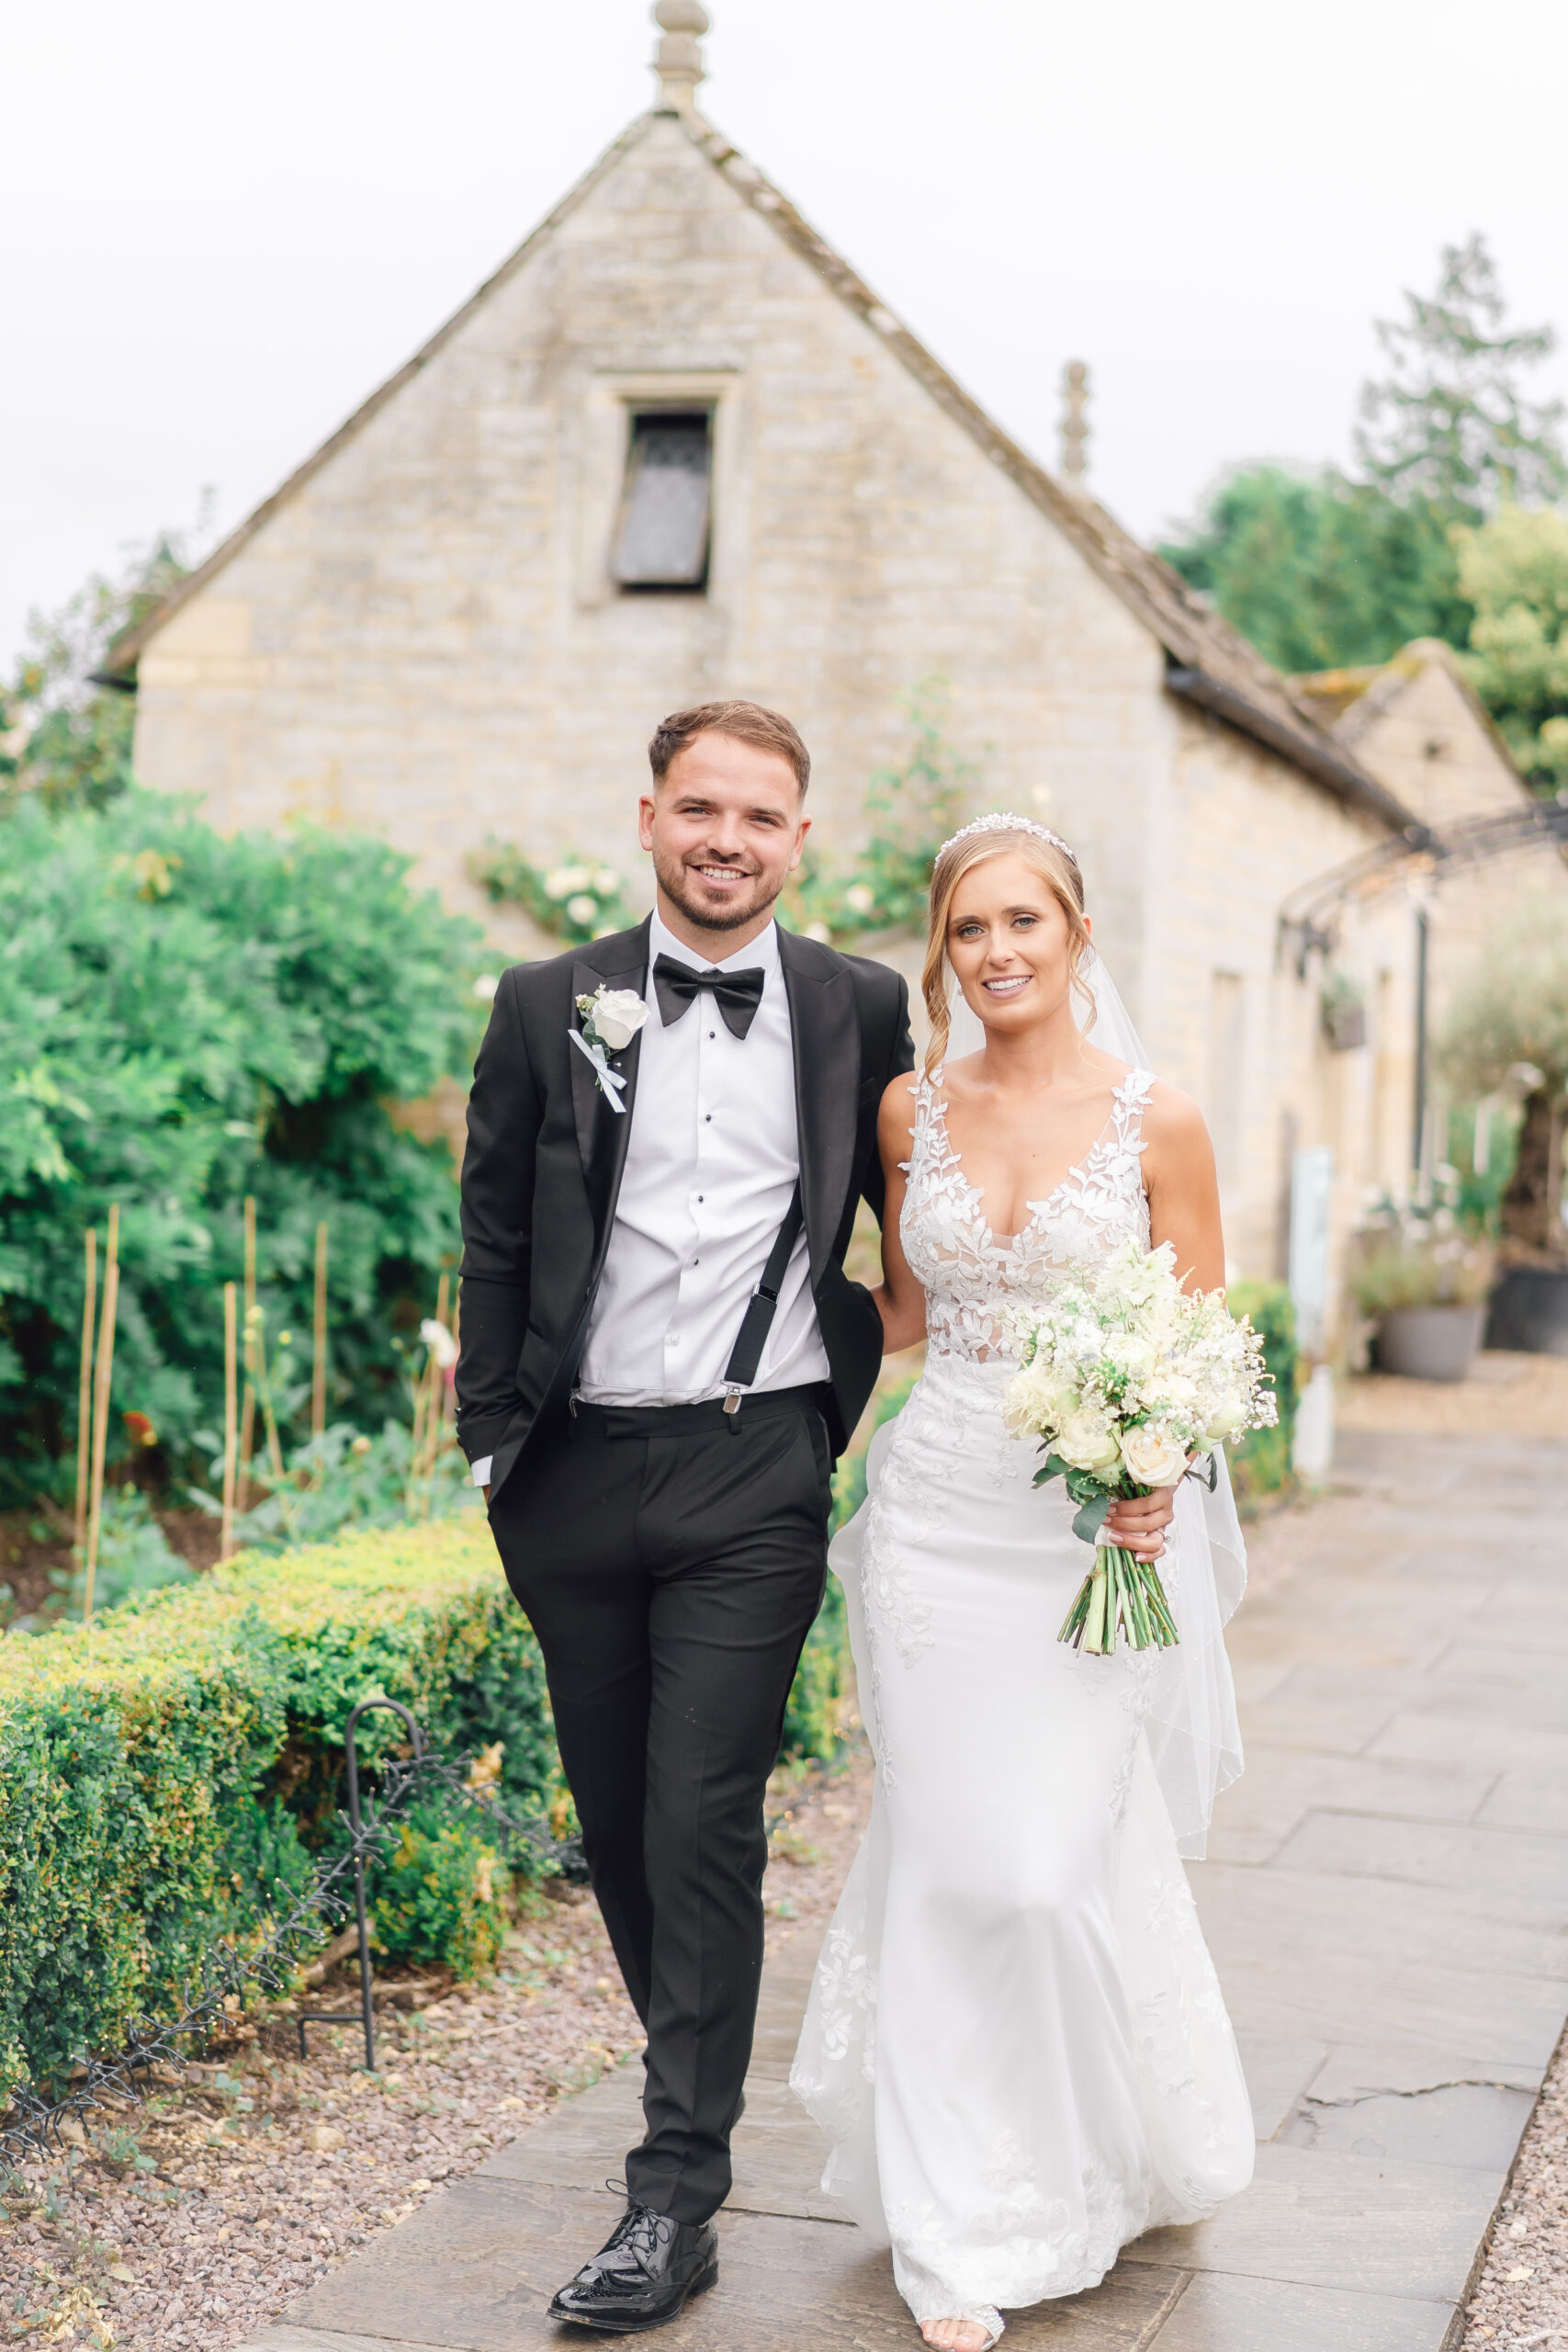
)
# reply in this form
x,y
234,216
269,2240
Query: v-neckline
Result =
x,y
1009,1242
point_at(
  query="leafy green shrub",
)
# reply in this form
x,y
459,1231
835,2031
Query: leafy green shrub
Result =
x,y
1260,1465
135,1555
911,810
162,1769
340,1480
579,900
185,1018
1420,1266
442,1897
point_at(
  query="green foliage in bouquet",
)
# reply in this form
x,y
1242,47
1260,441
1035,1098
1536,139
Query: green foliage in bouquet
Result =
x,y
910,810
1260,1462
163,1769
187,1017
579,900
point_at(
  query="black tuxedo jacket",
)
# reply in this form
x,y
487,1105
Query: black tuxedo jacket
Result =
x,y
543,1172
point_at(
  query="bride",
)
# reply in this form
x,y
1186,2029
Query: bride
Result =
x,y
1015,2040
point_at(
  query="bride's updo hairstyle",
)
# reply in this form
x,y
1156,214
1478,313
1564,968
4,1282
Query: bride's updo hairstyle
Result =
x,y
999,835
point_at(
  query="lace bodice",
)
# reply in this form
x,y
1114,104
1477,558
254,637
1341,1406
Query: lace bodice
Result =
x,y
972,1280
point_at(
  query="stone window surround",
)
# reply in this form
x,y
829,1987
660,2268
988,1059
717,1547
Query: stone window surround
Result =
x,y
611,398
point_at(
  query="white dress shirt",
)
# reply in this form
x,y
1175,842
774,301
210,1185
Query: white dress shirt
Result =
x,y
711,1162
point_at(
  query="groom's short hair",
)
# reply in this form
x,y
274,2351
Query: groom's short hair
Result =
x,y
748,722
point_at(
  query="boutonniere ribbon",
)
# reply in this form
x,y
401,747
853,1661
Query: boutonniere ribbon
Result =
x,y
610,1019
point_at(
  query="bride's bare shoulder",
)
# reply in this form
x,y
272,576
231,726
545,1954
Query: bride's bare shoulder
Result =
x,y
1172,1121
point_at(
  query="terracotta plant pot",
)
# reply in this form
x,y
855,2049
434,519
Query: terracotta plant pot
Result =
x,y
1529,1311
1429,1342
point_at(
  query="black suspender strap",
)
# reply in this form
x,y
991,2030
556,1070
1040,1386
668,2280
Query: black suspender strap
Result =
x,y
761,1309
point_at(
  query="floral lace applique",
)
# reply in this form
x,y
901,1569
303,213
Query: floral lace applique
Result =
x,y
973,1281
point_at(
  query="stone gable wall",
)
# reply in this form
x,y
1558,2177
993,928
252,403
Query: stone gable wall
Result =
x,y
426,641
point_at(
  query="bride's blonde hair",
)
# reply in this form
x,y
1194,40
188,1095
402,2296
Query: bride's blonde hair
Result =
x,y
999,836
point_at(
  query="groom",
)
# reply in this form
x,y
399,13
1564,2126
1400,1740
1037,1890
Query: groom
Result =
x,y
661,1354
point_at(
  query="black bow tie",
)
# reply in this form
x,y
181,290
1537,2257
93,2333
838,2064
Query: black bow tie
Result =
x,y
737,994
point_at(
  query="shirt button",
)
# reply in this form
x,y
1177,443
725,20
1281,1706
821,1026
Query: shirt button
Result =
x,y
713,1033
708,1120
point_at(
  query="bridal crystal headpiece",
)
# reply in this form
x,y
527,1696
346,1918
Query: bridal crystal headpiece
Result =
x,y
1002,821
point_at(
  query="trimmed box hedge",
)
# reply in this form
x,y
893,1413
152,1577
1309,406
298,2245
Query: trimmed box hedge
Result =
x,y
163,1769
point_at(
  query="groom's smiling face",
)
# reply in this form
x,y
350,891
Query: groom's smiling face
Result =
x,y
725,830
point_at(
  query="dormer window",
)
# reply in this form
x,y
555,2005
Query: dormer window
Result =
x,y
666,509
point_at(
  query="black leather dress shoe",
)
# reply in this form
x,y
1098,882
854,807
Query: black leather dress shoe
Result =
x,y
644,2276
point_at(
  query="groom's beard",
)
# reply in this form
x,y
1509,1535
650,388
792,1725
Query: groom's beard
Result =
x,y
679,884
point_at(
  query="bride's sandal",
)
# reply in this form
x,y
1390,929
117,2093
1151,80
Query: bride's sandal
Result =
x,y
966,2335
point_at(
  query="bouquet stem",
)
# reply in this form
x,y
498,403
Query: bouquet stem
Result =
x,y
1122,1593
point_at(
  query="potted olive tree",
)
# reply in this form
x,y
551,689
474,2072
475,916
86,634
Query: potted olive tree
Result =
x,y
1510,1020
1423,1286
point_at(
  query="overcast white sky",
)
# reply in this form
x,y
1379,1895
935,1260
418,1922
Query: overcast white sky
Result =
x,y
222,222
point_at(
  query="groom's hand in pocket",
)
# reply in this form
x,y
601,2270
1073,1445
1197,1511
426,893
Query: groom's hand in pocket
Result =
x,y
1138,1523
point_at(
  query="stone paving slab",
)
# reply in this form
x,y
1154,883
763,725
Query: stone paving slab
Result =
x,y
1386,1905
1221,2314
1322,2218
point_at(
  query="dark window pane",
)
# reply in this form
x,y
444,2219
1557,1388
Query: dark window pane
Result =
x,y
664,522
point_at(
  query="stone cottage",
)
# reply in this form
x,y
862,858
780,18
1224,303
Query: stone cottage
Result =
x,y
676,448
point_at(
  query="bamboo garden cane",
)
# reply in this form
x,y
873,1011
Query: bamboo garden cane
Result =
x,y
319,1338
85,1393
230,1416
101,1405
248,1411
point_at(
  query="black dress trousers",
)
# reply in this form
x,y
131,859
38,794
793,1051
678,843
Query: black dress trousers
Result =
x,y
670,1561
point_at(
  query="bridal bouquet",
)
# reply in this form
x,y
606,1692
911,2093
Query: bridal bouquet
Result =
x,y
1125,1382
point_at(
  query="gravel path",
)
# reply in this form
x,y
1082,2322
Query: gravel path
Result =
x,y
261,2172
1522,2297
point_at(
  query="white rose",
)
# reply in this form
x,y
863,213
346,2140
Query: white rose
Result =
x,y
618,1014
1153,1455
561,883
581,909
607,882
486,986
1087,1442
860,899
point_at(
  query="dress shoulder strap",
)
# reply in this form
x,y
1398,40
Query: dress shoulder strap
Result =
x,y
1128,1104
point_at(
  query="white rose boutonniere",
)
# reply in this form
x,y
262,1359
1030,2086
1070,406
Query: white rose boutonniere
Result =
x,y
610,1019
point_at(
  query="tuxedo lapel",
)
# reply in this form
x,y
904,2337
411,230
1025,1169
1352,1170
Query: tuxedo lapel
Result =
x,y
826,1036
604,1132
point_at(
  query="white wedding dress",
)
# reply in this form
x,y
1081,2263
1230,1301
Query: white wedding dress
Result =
x,y
1015,2040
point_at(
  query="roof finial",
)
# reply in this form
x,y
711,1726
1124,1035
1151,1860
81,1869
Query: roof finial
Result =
x,y
679,59
1074,425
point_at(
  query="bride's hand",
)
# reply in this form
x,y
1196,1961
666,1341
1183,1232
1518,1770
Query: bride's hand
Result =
x,y
1138,1522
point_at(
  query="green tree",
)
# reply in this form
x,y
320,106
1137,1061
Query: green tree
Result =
x,y
1510,1018
1450,422
63,733
1319,572
1515,572
186,1018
